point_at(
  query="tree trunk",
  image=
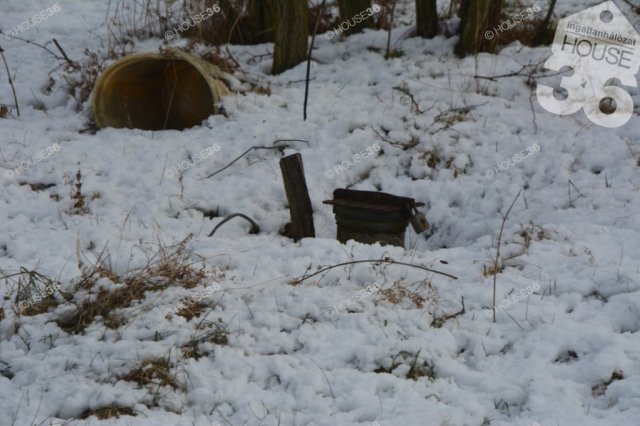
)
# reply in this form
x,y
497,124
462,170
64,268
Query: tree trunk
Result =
x,y
427,18
295,187
349,9
259,25
479,17
291,33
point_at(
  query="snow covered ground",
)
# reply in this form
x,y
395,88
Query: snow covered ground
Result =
x,y
565,350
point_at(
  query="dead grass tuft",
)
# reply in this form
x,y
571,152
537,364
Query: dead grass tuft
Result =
x,y
216,333
417,369
169,266
191,310
154,371
34,293
600,389
112,411
422,294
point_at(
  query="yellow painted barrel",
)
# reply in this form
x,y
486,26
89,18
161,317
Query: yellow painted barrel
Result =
x,y
158,91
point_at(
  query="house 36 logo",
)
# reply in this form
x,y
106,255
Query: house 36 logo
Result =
x,y
602,49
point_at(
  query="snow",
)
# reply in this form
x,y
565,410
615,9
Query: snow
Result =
x,y
286,361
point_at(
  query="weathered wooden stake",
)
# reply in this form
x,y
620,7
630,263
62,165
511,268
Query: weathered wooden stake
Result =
x,y
295,186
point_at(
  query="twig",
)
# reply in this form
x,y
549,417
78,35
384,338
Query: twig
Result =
x,y
255,229
462,110
576,188
233,27
406,91
353,262
393,9
64,55
251,149
570,184
325,377
495,266
13,89
533,111
39,45
439,321
513,319
519,74
306,85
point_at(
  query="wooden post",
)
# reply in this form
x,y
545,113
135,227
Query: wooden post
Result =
x,y
295,186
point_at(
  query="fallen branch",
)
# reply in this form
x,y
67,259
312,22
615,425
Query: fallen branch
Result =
x,y
281,147
520,73
387,260
254,226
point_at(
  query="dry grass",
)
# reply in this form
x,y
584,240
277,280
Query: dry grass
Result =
x,y
82,77
417,369
169,266
154,371
527,32
215,332
191,311
34,292
600,388
423,293
112,411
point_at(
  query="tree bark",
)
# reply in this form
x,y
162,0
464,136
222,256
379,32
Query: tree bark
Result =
x,y
295,186
479,17
259,24
291,33
427,18
349,9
